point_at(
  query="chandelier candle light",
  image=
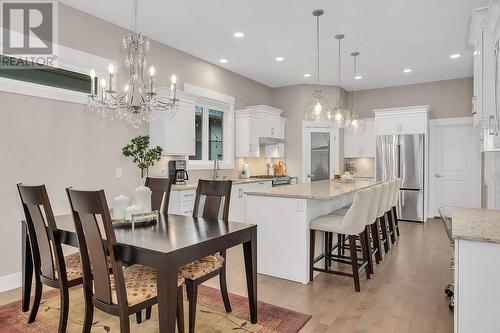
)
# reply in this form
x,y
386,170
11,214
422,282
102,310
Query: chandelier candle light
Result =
x,y
137,102
317,108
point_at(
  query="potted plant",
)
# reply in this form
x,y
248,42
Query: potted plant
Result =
x,y
143,156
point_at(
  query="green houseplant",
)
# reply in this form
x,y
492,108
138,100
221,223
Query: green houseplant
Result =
x,y
143,156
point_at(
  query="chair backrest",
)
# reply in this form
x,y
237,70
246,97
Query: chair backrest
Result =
x,y
395,196
354,221
383,199
372,213
88,207
160,188
42,231
390,196
212,199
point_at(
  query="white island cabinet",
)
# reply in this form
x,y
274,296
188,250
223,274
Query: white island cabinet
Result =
x,y
477,269
282,215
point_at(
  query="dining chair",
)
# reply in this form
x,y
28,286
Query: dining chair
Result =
x,y
129,289
384,197
212,201
160,196
51,267
351,223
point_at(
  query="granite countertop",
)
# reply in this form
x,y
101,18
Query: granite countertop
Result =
x,y
476,224
320,190
193,186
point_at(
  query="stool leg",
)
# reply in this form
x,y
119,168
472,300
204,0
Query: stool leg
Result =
x,y
376,241
354,261
390,225
396,223
327,254
312,240
369,249
364,252
385,238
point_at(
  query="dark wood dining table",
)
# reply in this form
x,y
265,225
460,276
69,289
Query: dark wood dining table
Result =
x,y
173,241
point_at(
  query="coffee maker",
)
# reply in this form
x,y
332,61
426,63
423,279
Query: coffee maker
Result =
x,y
177,172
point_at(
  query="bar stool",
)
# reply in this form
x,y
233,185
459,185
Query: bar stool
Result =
x,y
372,227
352,223
395,201
384,196
388,211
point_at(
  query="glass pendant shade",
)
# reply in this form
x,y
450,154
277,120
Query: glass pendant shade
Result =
x,y
354,124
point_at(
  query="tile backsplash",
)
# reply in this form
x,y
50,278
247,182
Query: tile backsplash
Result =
x,y
363,167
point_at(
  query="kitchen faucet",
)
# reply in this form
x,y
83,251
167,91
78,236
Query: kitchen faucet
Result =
x,y
215,174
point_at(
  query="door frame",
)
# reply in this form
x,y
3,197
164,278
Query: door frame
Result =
x,y
434,126
325,126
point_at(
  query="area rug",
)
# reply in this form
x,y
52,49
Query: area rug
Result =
x,y
210,317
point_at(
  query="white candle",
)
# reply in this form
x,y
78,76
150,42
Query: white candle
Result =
x,y
131,210
142,198
120,203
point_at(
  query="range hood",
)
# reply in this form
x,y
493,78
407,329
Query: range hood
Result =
x,y
267,141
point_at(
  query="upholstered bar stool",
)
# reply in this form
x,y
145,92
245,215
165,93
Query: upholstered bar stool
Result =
x,y
388,211
384,196
395,200
372,227
352,224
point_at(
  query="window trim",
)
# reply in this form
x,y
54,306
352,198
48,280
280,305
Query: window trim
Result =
x,y
213,97
68,59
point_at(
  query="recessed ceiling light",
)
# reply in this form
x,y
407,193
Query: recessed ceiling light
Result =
x,y
307,75
239,34
280,58
407,70
358,77
455,56
223,61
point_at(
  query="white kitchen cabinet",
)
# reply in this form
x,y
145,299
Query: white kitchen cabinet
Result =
x,y
182,202
404,120
362,144
271,124
175,135
237,207
275,151
247,134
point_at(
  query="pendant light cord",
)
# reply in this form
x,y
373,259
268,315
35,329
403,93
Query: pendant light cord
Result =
x,y
136,9
317,52
338,84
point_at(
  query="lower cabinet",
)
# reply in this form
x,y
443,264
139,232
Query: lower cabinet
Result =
x,y
182,201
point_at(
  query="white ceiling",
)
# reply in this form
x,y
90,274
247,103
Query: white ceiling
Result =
x,y
390,34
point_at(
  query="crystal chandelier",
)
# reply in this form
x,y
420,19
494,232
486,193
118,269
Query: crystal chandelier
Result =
x,y
136,102
356,125
318,107
342,117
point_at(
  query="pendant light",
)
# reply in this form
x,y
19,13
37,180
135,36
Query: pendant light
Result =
x,y
341,115
317,108
355,125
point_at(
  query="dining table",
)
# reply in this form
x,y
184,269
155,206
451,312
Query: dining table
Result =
x,y
166,245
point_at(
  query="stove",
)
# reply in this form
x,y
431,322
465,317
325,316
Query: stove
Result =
x,y
279,180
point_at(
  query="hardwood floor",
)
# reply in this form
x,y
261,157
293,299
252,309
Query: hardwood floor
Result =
x,y
405,294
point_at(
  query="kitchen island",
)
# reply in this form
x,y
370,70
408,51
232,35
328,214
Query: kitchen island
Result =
x,y
283,214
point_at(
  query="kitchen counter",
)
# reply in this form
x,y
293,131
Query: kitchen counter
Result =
x,y
476,224
320,190
193,186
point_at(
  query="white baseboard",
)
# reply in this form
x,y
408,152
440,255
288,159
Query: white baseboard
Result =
x,y
9,282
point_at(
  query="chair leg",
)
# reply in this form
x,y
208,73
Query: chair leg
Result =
x,y
326,249
376,241
340,244
223,288
89,313
36,300
396,223
180,310
192,292
124,324
354,262
385,238
138,317
312,241
369,249
343,244
364,253
390,225
63,313
148,313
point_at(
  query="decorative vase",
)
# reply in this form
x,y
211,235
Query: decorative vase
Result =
x,y
120,203
130,210
142,198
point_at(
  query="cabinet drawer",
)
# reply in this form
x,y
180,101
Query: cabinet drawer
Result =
x,y
186,208
187,195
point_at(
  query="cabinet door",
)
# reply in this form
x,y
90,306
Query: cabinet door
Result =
x,y
387,125
247,137
175,134
352,144
477,99
368,139
237,205
412,123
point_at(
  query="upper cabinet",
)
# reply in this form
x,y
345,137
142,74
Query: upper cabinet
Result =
x,y
176,134
362,144
255,122
405,120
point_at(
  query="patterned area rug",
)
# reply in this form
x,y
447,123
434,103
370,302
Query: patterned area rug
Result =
x,y
210,318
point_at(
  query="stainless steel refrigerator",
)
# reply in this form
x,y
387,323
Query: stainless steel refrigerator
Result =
x,y
402,156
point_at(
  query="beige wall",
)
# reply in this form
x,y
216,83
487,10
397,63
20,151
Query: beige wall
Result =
x,y
62,144
293,99
447,99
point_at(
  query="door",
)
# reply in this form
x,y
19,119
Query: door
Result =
x,y
387,157
318,152
452,177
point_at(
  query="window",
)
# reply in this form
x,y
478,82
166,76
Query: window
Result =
x,y
214,129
